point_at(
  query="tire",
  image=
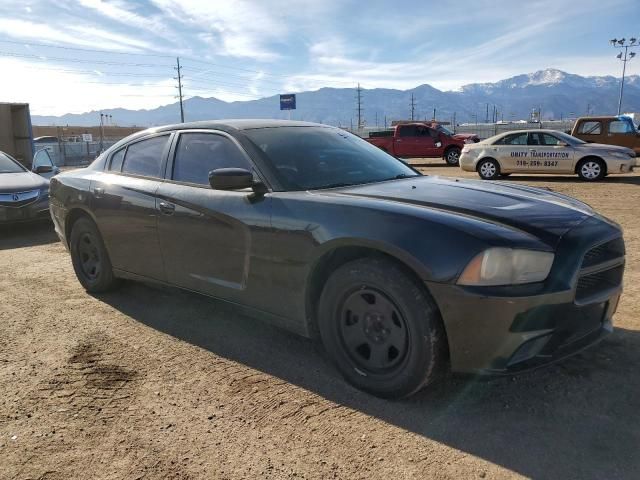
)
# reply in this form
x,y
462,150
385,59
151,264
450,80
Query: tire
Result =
x,y
591,169
452,156
90,258
488,169
381,328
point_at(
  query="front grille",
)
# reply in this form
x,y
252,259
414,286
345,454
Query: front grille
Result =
x,y
589,285
603,253
18,199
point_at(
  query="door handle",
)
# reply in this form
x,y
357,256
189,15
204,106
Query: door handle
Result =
x,y
167,208
98,192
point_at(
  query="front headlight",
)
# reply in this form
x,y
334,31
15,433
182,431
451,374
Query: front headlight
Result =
x,y
507,266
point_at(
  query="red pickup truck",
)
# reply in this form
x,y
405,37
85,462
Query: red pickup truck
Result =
x,y
417,140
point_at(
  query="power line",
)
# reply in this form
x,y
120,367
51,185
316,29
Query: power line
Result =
x,y
343,83
97,72
80,60
80,49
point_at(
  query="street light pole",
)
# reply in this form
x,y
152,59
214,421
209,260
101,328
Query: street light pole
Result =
x,y
624,58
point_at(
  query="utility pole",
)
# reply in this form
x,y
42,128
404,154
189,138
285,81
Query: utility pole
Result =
x,y
102,118
359,106
434,115
376,119
624,58
385,121
487,117
413,107
178,68
454,122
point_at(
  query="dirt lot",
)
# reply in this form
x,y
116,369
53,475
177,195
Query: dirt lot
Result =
x,y
155,383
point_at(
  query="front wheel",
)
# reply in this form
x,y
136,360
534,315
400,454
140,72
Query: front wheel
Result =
x,y
452,157
90,258
381,328
489,169
591,170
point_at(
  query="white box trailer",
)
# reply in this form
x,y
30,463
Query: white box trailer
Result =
x,y
16,137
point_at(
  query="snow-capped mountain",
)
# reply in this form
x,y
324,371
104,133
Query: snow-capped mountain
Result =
x,y
557,93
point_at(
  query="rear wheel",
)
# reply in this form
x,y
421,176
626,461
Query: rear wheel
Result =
x,y
381,328
452,156
591,169
90,258
488,169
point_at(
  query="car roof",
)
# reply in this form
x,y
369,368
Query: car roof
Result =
x,y
524,130
237,124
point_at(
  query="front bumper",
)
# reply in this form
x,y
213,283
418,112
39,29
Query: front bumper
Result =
x,y
515,328
38,210
502,334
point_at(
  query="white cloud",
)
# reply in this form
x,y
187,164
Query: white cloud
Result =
x,y
82,36
237,29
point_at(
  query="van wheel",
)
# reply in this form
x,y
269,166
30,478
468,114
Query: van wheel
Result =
x,y
90,258
488,169
381,328
591,169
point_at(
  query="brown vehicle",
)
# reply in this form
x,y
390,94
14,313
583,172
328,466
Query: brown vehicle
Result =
x,y
612,130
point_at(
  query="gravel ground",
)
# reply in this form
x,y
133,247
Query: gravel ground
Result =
x,y
151,382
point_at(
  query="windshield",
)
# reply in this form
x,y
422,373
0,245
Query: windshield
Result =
x,y
9,165
445,130
307,158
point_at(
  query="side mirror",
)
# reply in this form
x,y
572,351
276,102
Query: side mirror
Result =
x,y
235,179
563,144
43,169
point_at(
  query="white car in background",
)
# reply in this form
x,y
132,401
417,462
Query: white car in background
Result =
x,y
544,151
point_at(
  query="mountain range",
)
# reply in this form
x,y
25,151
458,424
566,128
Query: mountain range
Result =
x,y
558,94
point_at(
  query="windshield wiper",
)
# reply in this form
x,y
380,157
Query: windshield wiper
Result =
x,y
335,185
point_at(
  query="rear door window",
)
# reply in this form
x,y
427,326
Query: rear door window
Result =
x,y
590,128
145,157
198,154
545,139
408,131
621,126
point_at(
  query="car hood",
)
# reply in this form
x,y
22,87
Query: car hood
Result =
x,y
542,213
465,136
21,182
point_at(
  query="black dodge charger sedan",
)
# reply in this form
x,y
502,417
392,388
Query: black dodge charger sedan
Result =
x,y
401,275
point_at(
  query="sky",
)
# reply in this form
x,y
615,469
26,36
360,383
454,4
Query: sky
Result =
x,y
75,56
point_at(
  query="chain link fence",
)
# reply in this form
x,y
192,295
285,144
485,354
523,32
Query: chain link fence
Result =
x,y
73,153
486,130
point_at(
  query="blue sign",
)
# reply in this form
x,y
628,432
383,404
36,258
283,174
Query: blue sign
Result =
x,y
288,101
